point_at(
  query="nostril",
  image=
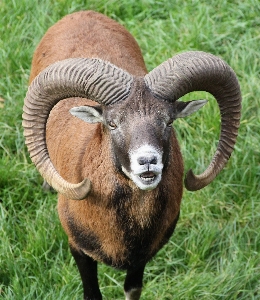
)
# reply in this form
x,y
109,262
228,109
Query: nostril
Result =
x,y
153,161
142,160
147,160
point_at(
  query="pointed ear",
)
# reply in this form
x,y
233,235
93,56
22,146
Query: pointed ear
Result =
x,y
89,114
184,109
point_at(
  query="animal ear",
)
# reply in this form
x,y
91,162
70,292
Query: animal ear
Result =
x,y
89,114
184,109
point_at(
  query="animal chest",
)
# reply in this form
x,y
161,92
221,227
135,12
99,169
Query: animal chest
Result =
x,y
127,230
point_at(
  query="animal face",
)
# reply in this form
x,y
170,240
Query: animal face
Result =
x,y
140,132
139,128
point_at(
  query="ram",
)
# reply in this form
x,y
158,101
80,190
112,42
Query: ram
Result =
x,y
98,127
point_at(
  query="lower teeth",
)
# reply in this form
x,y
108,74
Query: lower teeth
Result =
x,y
148,178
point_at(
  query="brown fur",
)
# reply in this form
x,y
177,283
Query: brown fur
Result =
x,y
88,34
78,150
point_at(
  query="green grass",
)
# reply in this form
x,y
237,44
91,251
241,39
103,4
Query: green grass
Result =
x,y
214,253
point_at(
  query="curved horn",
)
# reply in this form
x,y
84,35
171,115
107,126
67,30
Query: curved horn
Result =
x,y
200,71
88,78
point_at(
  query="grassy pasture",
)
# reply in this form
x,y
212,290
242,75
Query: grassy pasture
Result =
x,y
214,253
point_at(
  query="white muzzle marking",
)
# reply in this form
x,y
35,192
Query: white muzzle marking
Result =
x,y
145,167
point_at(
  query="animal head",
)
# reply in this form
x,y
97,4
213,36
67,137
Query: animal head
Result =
x,y
137,112
139,128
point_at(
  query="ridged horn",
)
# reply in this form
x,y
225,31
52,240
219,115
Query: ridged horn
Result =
x,y
78,77
200,71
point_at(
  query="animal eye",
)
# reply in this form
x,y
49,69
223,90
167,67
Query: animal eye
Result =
x,y
111,125
169,124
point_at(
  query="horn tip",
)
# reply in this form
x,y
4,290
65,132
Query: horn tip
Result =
x,y
81,191
191,182
77,191
85,189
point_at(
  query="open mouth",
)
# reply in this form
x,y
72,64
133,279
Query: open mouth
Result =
x,y
147,177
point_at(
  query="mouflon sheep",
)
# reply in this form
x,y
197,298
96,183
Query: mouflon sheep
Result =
x,y
98,127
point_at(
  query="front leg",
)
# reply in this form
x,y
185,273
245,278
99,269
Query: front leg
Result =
x,y
133,283
88,272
